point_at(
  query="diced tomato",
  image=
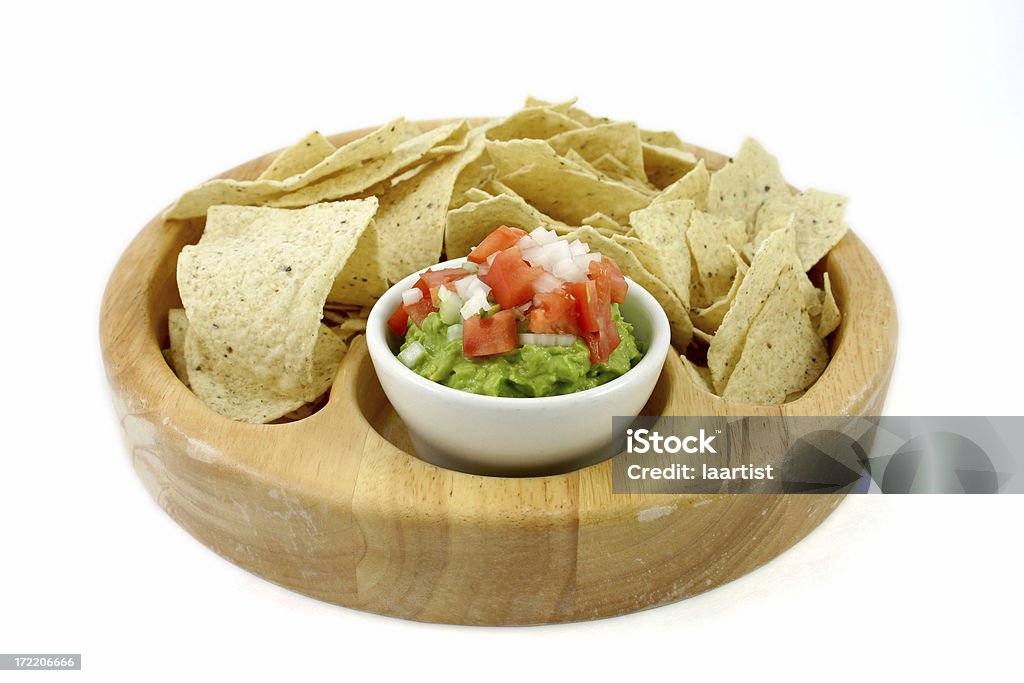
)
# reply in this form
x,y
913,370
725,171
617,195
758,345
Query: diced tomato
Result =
x,y
487,337
554,313
602,344
399,321
594,307
584,295
431,280
511,278
610,268
436,278
420,310
502,238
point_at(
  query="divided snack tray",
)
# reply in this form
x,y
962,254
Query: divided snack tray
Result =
x,y
334,505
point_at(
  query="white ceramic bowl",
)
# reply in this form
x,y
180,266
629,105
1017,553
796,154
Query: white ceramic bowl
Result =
x,y
516,436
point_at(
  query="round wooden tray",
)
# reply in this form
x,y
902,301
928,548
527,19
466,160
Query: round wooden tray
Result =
x,y
335,507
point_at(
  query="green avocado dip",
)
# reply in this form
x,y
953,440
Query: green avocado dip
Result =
x,y
529,371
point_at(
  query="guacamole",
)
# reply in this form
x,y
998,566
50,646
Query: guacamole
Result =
x,y
529,371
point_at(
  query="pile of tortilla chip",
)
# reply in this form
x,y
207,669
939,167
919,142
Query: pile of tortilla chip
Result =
x,y
725,253
291,262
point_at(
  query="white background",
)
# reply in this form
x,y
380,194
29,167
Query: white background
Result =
x,y
913,111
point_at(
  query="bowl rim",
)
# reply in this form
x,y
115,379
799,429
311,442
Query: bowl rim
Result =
x,y
376,343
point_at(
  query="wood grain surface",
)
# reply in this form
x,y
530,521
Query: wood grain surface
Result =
x,y
335,507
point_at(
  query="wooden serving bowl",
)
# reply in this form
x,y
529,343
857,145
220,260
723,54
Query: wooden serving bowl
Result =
x,y
335,507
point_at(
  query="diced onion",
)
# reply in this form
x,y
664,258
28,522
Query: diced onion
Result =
x,y
467,286
548,255
542,236
526,242
578,248
532,255
567,270
474,304
555,252
546,283
520,311
490,259
454,332
450,307
469,267
411,353
412,296
584,261
547,339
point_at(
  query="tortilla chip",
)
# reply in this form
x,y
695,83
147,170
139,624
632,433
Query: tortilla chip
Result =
x,y
560,107
348,310
783,353
333,316
469,224
814,298
775,255
577,158
701,376
535,123
747,181
474,194
817,217
362,281
701,335
616,176
440,141
195,202
473,177
515,155
558,187
692,186
299,158
830,317
496,187
645,253
662,138
709,318
177,327
665,165
411,220
412,129
611,167
619,140
457,141
501,190
562,230
713,243
616,170
254,286
663,227
599,220
623,250
585,119
567,108
230,389
350,326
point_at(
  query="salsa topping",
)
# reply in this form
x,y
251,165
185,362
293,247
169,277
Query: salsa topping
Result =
x,y
519,288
